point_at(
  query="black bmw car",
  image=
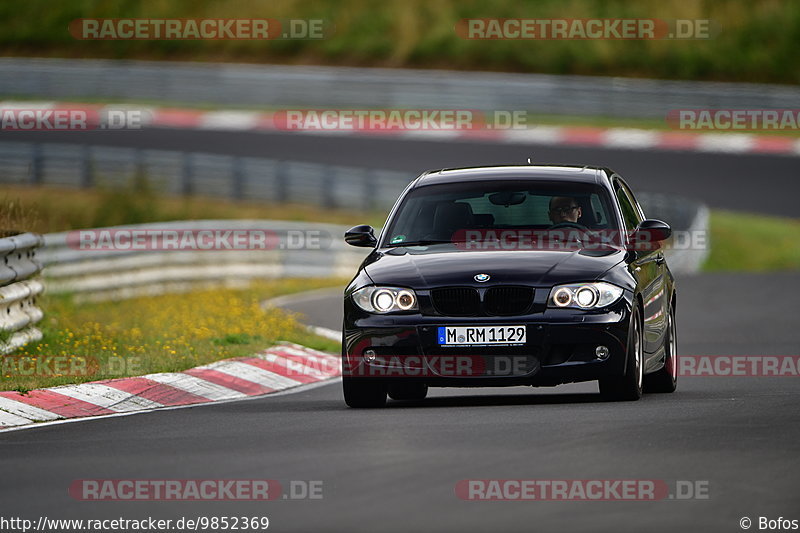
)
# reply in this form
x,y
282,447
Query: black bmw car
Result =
x,y
510,275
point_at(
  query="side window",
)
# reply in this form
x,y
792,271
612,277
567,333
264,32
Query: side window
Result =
x,y
629,214
636,207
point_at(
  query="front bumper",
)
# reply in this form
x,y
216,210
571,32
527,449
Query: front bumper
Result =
x,y
560,348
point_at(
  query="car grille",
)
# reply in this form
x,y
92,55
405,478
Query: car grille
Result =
x,y
506,301
497,301
456,301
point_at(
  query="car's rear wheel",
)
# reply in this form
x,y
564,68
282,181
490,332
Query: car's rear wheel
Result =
x,y
628,387
364,392
666,379
408,391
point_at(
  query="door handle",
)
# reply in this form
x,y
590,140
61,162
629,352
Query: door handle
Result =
x,y
660,259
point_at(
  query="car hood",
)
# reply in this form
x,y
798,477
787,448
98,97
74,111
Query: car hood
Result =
x,y
426,267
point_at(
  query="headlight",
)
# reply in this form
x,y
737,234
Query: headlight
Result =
x,y
584,295
385,299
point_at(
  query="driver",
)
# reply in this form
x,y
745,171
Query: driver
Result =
x,y
564,211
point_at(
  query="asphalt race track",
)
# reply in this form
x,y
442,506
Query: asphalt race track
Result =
x,y
396,469
744,182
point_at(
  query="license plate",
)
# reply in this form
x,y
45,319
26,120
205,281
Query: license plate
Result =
x,y
481,335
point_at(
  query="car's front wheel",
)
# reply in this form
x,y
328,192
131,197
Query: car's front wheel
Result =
x,y
628,387
364,392
666,379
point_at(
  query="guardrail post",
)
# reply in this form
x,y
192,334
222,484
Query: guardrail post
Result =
x,y
187,174
37,162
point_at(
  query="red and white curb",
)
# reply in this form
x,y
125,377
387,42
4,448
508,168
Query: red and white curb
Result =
x,y
623,138
279,368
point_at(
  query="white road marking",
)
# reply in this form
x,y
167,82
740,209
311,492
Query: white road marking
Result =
x,y
252,373
229,120
11,420
631,138
26,411
722,142
105,396
196,386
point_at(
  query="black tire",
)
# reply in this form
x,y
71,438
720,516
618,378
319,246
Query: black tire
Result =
x,y
628,387
408,391
364,392
360,391
666,379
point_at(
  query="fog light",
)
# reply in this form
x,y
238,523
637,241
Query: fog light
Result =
x,y
369,355
602,352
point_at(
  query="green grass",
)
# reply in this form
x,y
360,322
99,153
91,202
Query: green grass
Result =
x,y
165,333
46,209
752,243
757,41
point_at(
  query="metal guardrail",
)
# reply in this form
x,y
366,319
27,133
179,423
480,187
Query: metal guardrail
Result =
x,y
116,274
688,217
18,291
171,172
334,87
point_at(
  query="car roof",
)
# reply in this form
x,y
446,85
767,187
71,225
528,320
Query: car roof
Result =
x,y
583,174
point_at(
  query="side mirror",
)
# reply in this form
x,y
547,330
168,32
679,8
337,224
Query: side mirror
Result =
x,y
650,232
363,236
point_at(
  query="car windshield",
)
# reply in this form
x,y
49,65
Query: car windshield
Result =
x,y
453,212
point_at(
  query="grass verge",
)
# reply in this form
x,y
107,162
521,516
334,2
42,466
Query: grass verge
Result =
x,y
165,333
61,209
750,41
745,242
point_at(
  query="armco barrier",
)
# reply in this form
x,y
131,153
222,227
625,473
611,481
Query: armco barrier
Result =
x,y
226,84
18,291
171,172
116,274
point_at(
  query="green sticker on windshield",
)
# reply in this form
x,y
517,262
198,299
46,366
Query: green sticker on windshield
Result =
x,y
398,238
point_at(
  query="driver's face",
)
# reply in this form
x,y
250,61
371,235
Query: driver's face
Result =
x,y
564,209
